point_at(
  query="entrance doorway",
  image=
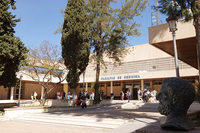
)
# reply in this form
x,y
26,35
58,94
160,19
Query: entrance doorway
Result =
x,y
132,90
16,92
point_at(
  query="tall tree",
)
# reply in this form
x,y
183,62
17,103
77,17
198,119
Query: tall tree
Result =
x,y
12,50
186,9
109,29
45,65
75,43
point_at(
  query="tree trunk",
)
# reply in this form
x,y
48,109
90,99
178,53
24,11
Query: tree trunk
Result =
x,y
74,94
197,29
96,97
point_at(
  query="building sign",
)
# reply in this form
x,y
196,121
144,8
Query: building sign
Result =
x,y
120,77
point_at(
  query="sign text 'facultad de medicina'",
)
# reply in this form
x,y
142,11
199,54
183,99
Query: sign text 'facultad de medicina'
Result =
x,y
120,77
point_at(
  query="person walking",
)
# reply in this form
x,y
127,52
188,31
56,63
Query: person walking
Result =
x,y
83,101
122,95
35,95
145,98
68,94
128,93
32,95
139,94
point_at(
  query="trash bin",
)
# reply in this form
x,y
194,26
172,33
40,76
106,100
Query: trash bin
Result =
x,y
112,96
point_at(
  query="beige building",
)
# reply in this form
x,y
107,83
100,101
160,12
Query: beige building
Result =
x,y
144,67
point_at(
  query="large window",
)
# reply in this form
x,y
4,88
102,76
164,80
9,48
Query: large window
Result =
x,y
191,80
115,84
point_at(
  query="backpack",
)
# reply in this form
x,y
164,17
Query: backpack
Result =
x,y
129,93
140,93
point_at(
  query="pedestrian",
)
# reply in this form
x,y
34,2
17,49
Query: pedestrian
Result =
x,y
145,98
148,95
103,95
83,101
139,94
128,93
35,95
68,94
78,101
154,95
122,95
93,95
32,95
64,95
80,94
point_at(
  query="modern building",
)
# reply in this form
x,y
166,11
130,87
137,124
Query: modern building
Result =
x,y
145,66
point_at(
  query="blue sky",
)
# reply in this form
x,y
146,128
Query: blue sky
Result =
x,y
40,18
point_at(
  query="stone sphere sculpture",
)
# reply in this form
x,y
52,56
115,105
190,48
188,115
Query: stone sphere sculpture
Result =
x,y
175,97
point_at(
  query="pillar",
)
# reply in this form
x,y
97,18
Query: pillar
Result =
x,y
111,90
11,93
105,86
65,89
42,92
111,87
142,84
86,87
151,84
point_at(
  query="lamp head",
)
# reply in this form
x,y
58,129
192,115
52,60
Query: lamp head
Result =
x,y
172,22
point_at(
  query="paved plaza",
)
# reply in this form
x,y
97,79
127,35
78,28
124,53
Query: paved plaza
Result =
x,y
119,117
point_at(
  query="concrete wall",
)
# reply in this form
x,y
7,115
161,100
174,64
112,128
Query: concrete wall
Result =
x,y
29,87
3,93
160,33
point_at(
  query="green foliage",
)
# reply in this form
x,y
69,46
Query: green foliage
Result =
x,y
109,29
12,50
154,67
197,92
183,8
75,40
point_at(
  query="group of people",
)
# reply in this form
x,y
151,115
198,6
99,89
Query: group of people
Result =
x,y
34,95
88,95
81,101
147,95
62,95
128,94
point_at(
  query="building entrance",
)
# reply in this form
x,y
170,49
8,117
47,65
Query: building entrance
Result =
x,y
16,92
132,90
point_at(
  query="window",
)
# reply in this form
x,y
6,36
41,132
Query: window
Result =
x,y
116,84
81,86
191,80
101,85
157,82
89,85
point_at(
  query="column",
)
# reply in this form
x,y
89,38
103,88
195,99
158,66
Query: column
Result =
x,y
11,93
42,92
151,84
86,87
111,87
105,85
142,84
65,89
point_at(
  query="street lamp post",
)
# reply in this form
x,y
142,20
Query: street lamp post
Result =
x,y
20,89
83,83
172,22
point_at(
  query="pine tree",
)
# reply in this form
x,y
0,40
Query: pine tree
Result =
x,y
75,43
12,50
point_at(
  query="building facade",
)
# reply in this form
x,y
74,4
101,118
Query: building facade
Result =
x,y
145,66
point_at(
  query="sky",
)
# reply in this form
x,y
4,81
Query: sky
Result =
x,y
40,18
